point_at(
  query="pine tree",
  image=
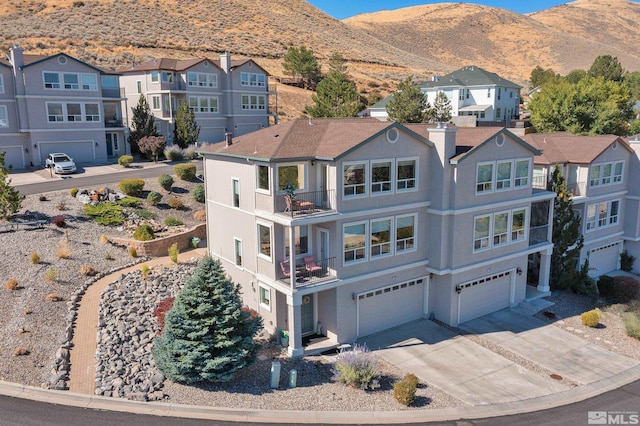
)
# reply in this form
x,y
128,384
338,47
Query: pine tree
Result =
x,y
207,336
10,198
187,130
300,62
336,95
142,124
441,111
408,104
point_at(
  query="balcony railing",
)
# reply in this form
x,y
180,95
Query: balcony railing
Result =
x,y
576,189
113,123
538,234
306,202
312,272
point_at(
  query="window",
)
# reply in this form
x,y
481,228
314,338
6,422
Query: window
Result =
x,y
54,112
155,77
291,174
167,77
1,85
251,79
468,90
235,184
594,179
89,82
4,119
71,81
461,95
301,240
503,179
522,173
380,237
265,297
155,102
139,86
489,92
606,174
263,178
112,138
354,176
51,80
617,172
500,229
484,178
590,222
498,114
481,232
92,112
354,242
406,175
109,82
198,79
613,212
381,177
264,239
74,112
499,94
405,233
237,250
202,104
603,214
518,228
253,102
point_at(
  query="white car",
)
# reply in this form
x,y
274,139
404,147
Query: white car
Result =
x,y
60,162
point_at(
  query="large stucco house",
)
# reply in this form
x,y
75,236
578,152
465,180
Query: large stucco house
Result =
x,y
58,103
226,96
346,227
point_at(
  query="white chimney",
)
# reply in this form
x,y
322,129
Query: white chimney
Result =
x,y
17,56
225,62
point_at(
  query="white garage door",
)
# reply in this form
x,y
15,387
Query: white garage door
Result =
x,y
389,306
13,156
604,259
484,296
80,151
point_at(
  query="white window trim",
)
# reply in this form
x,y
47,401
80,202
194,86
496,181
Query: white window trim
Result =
x,y
491,245
154,76
507,230
260,254
235,253
211,80
515,170
61,83
415,234
249,106
366,183
4,116
525,237
416,172
489,236
267,290
285,242
366,244
492,182
235,179
153,106
392,239
511,179
83,112
139,87
304,177
248,79
614,179
392,176
210,108
607,219
261,190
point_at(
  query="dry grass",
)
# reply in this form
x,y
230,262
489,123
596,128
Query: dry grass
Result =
x,y
20,351
64,251
53,297
88,270
11,284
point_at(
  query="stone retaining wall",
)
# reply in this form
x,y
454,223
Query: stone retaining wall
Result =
x,y
160,246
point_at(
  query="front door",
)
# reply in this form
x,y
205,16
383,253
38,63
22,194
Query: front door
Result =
x,y
307,315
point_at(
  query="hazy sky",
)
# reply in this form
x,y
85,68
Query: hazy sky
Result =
x,y
341,9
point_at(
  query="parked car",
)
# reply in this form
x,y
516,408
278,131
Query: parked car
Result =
x,y
60,162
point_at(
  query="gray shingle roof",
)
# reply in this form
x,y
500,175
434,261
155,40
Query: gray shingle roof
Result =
x,y
470,75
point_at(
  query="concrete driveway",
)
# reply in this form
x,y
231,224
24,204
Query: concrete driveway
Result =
x,y
477,375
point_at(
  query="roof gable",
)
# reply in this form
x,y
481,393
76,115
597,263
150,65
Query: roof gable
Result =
x,y
169,64
470,140
30,60
470,75
566,148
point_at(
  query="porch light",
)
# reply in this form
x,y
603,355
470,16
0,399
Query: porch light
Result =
x,y
458,289
519,271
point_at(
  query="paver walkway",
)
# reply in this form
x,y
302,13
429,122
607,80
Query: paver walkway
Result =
x,y
83,352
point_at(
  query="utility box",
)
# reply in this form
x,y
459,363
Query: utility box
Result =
x,y
275,375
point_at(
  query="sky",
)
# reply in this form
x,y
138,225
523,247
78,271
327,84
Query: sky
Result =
x,y
341,9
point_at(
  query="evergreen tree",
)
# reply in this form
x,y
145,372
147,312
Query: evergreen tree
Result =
x,y
207,336
142,124
607,67
186,131
10,198
336,95
441,111
408,104
300,62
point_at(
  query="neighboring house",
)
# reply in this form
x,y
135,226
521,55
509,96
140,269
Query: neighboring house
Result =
x,y
602,175
226,96
58,104
346,227
476,96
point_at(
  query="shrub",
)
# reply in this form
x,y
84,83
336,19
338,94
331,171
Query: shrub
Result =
x,y
190,153
144,270
356,368
176,203
42,198
185,171
59,221
11,284
104,239
626,261
605,286
125,160
405,392
145,214
53,297
108,214
132,186
173,221
163,307
133,252
128,202
21,350
74,192
625,289
64,252
35,258
174,251
198,193
591,318
154,198
174,153
78,3
412,379
200,215
166,182
51,275
88,270
632,324
108,256
144,233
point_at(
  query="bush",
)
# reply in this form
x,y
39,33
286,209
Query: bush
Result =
x,y
632,324
43,198
174,251
190,153
64,252
125,160
356,368
88,270
166,182
11,284
108,214
605,286
163,307
132,186
176,203
53,297
200,215
412,379
405,391
185,171
104,239
144,233
145,214
154,198
74,192
174,153
591,318
626,261
35,258
173,221
21,350
59,221
51,275
133,252
198,193
625,289
144,271
128,202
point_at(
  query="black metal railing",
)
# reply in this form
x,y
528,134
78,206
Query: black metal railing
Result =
x,y
538,234
311,271
113,123
306,202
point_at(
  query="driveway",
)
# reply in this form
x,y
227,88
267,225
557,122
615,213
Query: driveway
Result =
x,y
477,375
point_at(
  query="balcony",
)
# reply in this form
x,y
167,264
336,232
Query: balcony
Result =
x,y
576,189
113,123
306,203
309,271
538,234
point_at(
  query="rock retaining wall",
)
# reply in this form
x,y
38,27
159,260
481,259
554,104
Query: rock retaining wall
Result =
x,y
160,246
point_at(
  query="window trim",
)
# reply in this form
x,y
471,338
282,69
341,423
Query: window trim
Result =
x,y
304,175
1,83
509,181
613,179
210,79
264,290
488,237
392,239
507,231
364,184
491,182
510,229
266,191
251,106
415,234
237,240
365,248
515,173
155,76
249,83
270,228
235,182
4,122
594,222
153,103
62,83
525,228
209,108
83,117
416,170
391,181
286,241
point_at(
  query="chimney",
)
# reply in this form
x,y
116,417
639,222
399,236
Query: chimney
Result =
x,y
229,137
17,56
225,62
443,175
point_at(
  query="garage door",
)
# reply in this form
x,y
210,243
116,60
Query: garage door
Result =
x,y
13,156
604,259
389,306
484,296
80,151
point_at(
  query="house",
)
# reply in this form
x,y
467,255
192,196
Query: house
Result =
x,y
346,227
58,103
225,95
602,175
477,96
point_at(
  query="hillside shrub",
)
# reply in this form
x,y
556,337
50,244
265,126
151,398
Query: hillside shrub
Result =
x,y
173,221
144,233
160,311
185,171
198,193
190,153
154,198
64,251
176,203
74,192
51,275
144,271
405,390
357,368
166,182
128,202
107,214
125,160
131,186
145,214
133,252
590,318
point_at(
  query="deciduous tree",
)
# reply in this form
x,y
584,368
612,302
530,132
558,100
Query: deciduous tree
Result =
x,y
152,146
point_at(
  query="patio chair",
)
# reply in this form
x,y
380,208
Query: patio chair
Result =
x,y
310,265
284,267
